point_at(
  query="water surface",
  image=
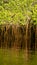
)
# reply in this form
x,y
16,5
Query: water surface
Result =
x,y
18,57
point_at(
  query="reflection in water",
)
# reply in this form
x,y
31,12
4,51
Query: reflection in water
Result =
x,y
31,58
18,57
28,57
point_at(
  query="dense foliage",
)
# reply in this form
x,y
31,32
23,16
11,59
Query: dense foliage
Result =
x,y
18,11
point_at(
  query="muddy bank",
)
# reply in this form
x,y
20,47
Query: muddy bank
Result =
x,y
18,36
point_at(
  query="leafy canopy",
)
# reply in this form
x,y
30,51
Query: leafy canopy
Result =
x,y
16,11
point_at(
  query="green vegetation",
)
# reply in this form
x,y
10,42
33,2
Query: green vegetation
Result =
x,y
18,11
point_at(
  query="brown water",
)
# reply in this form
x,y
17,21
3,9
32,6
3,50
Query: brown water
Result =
x,y
18,57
